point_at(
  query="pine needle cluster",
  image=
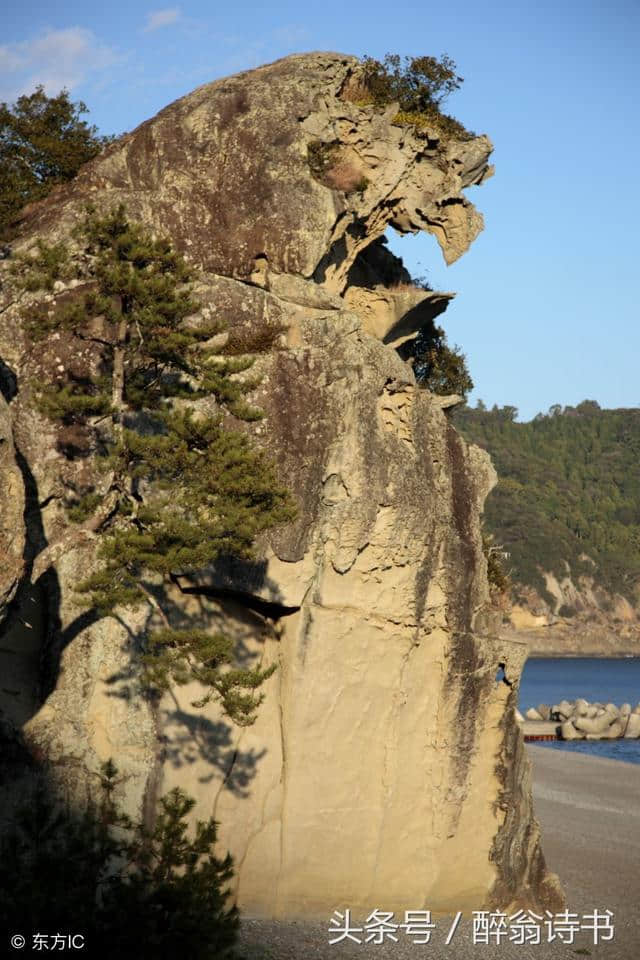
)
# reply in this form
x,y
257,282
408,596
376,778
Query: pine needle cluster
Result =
x,y
179,489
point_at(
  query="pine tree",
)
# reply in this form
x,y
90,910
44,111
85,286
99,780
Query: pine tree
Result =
x,y
43,141
124,888
179,489
439,367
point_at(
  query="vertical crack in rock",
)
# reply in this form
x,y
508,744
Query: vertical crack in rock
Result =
x,y
522,875
283,808
12,505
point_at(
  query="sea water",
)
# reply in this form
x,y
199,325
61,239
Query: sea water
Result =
x,y
593,678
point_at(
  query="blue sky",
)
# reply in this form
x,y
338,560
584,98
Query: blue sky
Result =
x,y
546,310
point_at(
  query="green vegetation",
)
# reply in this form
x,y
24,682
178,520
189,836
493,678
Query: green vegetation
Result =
x,y
419,85
43,141
569,491
499,579
46,264
361,185
439,367
327,164
125,889
322,156
176,489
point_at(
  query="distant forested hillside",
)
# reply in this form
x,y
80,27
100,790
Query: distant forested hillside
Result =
x,y
569,491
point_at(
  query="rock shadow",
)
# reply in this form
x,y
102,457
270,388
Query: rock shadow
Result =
x,y
196,738
31,636
236,595
188,734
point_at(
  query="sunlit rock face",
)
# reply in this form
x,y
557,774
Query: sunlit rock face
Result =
x,y
385,767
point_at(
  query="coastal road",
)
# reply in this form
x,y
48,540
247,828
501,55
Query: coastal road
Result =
x,y
589,813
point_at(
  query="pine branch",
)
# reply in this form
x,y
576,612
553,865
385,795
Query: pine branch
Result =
x,y
75,537
154,603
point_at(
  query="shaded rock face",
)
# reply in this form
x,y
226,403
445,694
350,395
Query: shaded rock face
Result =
x,y
385,766
12,503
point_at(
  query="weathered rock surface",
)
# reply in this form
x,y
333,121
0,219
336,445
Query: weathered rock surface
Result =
x,y
386,767
11,510
601,623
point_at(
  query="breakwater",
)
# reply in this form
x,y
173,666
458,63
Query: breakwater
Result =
x,y
581,720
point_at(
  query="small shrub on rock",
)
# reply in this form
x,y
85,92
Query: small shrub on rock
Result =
x,y
566,610
419,85
439,367
321,157
498,577
331,166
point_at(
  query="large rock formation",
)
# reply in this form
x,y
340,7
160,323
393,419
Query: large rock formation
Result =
x,y
385,767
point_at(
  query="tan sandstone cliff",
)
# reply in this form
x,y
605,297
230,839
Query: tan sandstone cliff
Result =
x,y
385,767
579,617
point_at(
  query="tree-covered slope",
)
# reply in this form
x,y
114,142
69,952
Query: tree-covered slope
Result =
x,y
569,492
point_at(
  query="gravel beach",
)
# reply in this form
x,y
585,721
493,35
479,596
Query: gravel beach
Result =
x,y
589,811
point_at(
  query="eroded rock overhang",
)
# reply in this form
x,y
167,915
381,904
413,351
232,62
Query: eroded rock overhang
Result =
x,y
226,172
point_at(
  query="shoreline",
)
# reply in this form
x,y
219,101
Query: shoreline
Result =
x,y
545,655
